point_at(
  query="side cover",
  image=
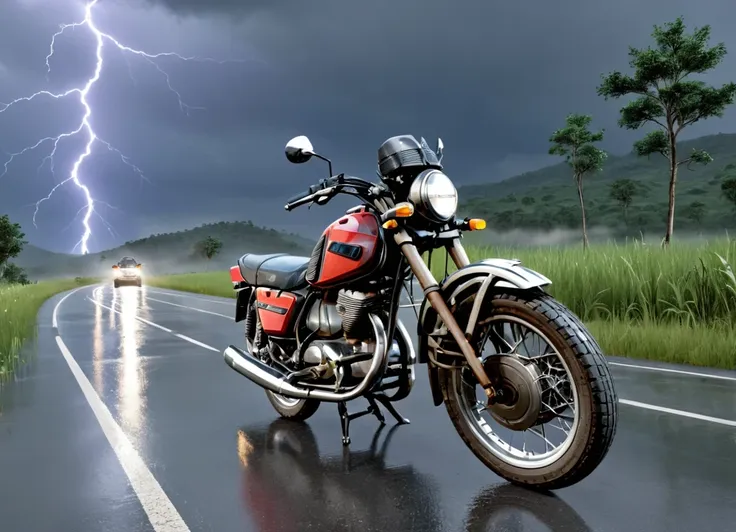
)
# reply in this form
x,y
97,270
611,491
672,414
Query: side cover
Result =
x,y
350,248
276,310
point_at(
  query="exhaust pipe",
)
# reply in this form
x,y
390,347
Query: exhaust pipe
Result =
x,y
274,379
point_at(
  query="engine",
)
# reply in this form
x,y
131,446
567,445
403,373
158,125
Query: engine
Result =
x,y
348,314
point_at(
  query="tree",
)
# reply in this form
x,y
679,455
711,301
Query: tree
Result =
x,y
623,191
728,189
575,143
667,99
11,239
14,274
209,247
695,212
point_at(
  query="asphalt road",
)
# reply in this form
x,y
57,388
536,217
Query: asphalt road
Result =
x,y
130,420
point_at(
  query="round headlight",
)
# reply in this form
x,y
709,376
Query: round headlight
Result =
x,y
434,195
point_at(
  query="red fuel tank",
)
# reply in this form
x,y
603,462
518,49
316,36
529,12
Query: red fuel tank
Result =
x,y
350,247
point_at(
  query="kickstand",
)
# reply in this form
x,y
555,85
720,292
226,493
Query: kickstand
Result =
x,y
391,410
346,417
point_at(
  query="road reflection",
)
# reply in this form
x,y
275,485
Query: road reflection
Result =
x,y
130,397
289,487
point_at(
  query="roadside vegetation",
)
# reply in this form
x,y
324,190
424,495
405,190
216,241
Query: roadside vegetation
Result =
x,y
19,305
20,298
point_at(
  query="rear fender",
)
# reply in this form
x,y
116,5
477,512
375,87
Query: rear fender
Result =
x,y
244,291
504,273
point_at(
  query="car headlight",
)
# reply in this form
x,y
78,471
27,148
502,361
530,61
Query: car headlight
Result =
x,y
434,195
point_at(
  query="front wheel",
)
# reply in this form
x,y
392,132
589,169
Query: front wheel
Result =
x,y
556,416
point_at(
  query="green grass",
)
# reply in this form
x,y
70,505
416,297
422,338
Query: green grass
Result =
x,y
210,283
18,310
640,301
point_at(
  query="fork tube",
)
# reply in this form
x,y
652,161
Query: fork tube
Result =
x,y
432,293
458,254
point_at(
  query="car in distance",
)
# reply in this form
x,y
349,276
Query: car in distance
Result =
x,y
127,271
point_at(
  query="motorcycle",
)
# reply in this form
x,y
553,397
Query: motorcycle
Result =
x,y
325,328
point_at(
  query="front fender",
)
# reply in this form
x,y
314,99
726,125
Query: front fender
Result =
x,y
506,273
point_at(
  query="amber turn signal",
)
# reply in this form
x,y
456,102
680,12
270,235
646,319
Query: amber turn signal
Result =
x,y
391,224
138,266
476,224
404,210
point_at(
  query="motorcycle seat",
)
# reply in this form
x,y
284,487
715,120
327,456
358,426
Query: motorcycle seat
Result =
x,y
276,270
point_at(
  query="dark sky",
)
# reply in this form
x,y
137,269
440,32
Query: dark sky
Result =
x,y
493,79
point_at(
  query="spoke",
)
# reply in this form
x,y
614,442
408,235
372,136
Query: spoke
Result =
x,y
511,349
546,441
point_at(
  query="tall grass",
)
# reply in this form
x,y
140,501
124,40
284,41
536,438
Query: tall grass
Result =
x,y
687,284
19,306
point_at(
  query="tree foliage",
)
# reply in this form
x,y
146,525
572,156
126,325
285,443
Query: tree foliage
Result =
x,y
666,98
728,189
623,192
11,239
575,143
14,274
209,247
695,211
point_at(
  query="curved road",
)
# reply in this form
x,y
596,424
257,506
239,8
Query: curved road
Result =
x,y
129,420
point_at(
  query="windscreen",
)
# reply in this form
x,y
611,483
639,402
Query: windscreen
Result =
x,y
128,263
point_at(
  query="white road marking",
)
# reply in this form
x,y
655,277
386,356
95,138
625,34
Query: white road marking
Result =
x,y
197,342
158,507
54,321
183,337
177,294
143,320
675,412
191,308
678,371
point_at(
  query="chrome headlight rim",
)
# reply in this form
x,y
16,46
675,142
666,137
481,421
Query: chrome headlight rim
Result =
x,y
419,196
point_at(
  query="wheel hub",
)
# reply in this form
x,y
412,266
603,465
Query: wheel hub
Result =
x,y
520,401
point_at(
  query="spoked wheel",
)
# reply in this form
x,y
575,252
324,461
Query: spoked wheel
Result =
x,y
288,407
555,418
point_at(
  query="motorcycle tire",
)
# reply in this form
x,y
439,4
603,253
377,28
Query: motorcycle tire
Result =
x,y
586,365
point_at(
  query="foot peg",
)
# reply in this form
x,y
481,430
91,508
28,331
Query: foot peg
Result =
x,y
373,400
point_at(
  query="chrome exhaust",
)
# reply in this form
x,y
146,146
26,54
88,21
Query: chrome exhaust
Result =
x,y
274,379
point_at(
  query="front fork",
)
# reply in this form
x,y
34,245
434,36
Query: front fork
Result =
x,y
431,289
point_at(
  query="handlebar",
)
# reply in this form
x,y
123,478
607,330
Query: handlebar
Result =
x,y
314,191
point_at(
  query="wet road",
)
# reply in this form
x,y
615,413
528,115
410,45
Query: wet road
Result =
x,y
133,422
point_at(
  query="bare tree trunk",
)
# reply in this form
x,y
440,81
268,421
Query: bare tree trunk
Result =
x,y
579,181
673,180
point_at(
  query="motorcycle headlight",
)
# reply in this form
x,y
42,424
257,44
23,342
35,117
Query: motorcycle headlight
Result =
x,y
434,195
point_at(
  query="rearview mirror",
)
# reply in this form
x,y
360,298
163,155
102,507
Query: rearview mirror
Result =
x,y
299,150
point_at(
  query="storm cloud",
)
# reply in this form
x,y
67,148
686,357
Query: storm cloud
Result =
x,y
492,79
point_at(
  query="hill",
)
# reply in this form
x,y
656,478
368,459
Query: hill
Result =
x,y
168,252
548,198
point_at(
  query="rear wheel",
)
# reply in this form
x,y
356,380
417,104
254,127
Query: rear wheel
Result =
x,y
287,407
556,387
115,284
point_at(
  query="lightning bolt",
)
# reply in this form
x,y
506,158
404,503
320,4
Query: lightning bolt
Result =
x,y
85,126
